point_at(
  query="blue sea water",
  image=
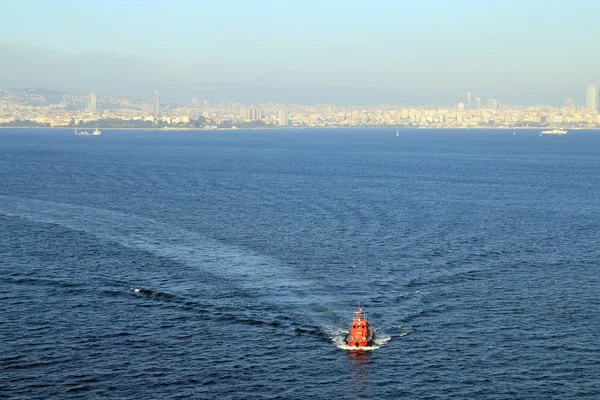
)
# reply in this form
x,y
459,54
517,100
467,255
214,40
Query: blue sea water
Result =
x,y
228,265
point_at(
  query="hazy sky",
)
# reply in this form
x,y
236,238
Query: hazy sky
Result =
x,y
343,51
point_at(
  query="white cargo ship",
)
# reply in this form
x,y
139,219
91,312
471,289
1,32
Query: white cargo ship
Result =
x,y
553,132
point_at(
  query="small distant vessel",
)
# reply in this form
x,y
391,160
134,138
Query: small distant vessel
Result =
x,y
84,133
361,334
514,133
553,132
97,132
397,134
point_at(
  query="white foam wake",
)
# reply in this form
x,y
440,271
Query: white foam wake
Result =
x,y
247,268
337,337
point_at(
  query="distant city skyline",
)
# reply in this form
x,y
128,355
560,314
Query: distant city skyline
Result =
x,y
46,108
91,101
346,52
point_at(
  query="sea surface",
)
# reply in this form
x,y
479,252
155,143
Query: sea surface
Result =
x,y
228,264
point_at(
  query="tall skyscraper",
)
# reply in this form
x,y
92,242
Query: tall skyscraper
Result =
x,y
592,98
156,102
93,103
478,102
284,118
468,100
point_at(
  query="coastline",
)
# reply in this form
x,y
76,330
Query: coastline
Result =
x,y
305,128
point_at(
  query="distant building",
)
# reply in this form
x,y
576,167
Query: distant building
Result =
x,y
592,97
284,118
256,114
195,101
156,102
568,102
461,106
492,104
478,102
93,103
468,100
365,117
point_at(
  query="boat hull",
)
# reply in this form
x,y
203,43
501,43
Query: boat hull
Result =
x,y
359,343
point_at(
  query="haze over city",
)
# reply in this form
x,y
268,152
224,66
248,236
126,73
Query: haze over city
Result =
x,y
375,52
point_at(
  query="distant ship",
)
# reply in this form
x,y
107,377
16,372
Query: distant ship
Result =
x,y
84,133
397,134
553,132
97,132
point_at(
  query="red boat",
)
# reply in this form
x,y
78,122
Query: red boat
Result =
x,y
361,334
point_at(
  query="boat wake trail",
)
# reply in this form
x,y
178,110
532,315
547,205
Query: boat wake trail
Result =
x,y
232,283
222,264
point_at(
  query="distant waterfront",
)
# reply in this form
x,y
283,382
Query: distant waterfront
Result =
x,y
41,109
296,128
